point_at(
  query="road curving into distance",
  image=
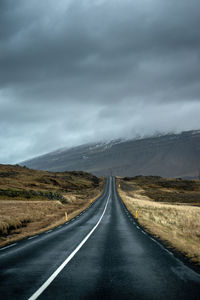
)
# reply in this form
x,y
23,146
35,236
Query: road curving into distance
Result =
x,y
100,254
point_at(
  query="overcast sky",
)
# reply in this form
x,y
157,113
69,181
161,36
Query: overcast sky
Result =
x,y
73,72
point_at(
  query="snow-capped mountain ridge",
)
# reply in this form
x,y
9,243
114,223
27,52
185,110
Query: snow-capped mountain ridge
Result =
x,y
170,155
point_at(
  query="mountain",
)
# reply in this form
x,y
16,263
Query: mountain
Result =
x,y
171,155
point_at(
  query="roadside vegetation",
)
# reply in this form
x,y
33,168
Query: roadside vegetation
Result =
x,y
33,201
167,208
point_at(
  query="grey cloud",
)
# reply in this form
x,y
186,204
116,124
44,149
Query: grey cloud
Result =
x,y
83,70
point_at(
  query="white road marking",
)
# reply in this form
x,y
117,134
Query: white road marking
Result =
x,y
162,246
8,247
49,231
32,237
54,275
59,226
138,227
168,252
159,244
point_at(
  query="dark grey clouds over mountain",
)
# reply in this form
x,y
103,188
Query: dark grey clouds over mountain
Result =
x,y
78,71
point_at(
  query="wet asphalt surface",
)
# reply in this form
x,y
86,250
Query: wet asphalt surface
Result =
x,y
118,261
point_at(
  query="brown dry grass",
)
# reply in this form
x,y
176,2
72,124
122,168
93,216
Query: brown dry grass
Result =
x,y
171,190
20,219
25,205
176,224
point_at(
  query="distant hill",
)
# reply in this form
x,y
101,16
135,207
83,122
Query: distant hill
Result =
x,y
171,155
20,183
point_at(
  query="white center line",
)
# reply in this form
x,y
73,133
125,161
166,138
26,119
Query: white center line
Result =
x,y
54,275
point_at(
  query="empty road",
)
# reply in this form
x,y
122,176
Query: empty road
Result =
x,y
101,254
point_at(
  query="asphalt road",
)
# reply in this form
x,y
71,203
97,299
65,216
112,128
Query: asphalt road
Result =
x,y
101,254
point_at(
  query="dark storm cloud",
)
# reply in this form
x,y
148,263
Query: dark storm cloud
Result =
x,y
76,71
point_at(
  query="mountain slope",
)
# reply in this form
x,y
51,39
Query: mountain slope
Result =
x,y
172,155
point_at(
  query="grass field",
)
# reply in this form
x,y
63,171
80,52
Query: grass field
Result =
x,y
33,201
172,213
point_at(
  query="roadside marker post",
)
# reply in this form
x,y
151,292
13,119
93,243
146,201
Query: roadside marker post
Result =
x,y
136,214
66,216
